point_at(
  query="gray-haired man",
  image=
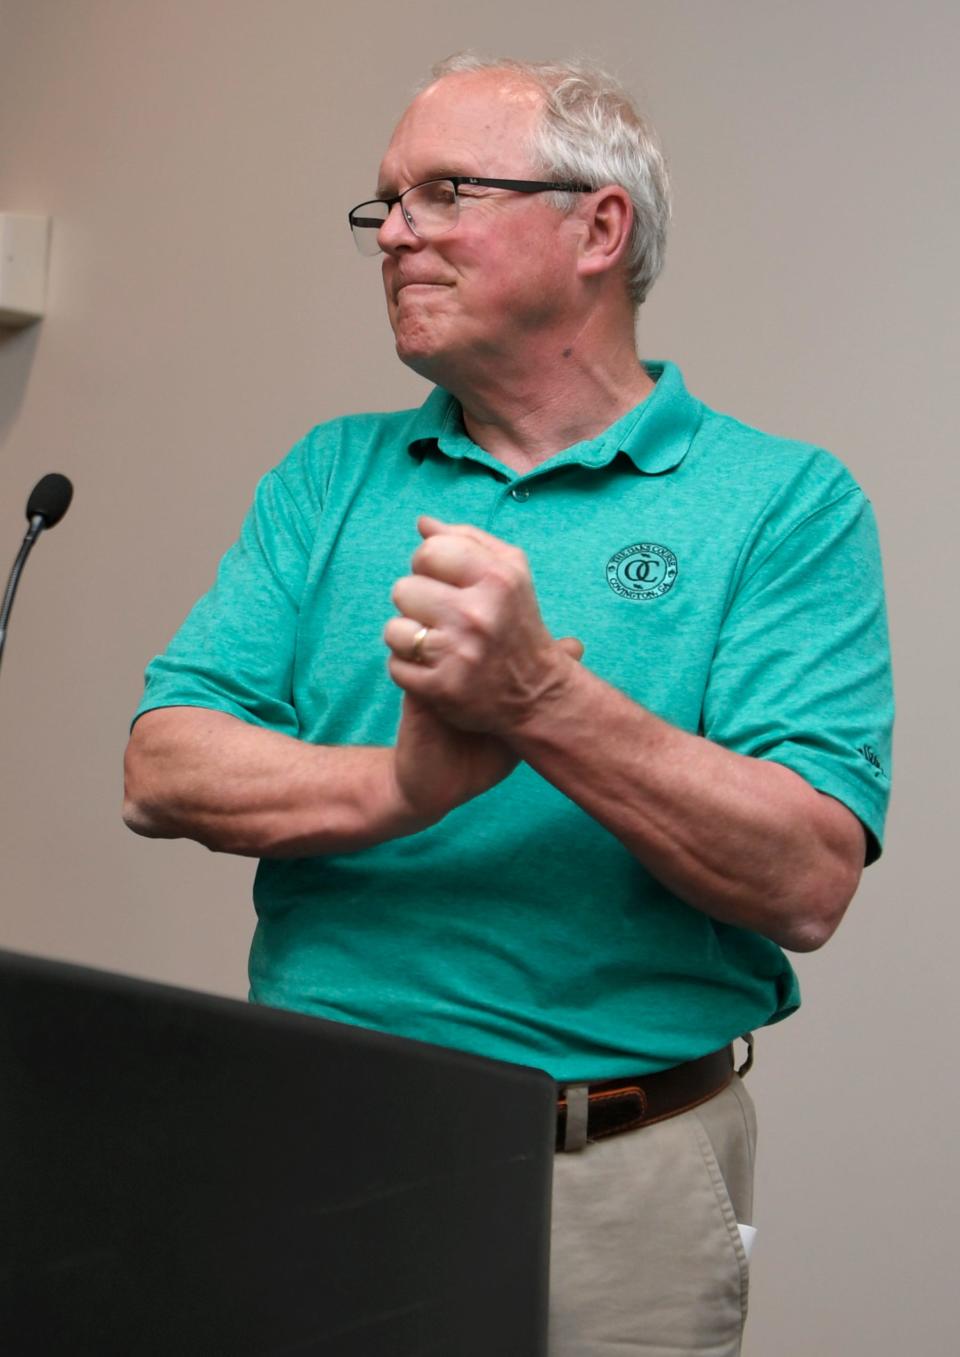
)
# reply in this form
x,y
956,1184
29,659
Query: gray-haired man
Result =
x,y
582,854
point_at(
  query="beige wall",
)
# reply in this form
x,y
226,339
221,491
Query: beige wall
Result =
x,y
206,307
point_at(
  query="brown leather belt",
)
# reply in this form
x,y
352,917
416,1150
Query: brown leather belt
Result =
x,y
628,1103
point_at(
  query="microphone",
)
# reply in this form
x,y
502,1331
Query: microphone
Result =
x,y
50,498
49,501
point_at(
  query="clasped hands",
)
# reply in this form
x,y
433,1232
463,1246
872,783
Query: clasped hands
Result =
x,y
474,660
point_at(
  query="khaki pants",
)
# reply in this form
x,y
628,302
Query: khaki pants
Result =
x,y
646,1257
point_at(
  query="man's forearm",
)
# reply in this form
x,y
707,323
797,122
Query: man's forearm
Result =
x,y
237,788
745,840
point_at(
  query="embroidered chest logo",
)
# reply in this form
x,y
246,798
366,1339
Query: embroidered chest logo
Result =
x,y
644,570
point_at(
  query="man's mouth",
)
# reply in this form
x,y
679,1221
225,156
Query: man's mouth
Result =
x,y
417,284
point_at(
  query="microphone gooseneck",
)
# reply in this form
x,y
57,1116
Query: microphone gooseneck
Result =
x,y
49,501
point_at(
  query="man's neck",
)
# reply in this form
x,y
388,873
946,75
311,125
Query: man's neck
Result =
x,y
524,412
528,426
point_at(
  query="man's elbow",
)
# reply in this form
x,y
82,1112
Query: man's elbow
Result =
x,y
808,934
824,890
138,816
814,919
156,808
141,812
146,810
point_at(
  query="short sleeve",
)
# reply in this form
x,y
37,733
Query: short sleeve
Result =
x,y
235,650
801,674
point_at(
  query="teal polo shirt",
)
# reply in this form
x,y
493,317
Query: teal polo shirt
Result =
x,y
727,580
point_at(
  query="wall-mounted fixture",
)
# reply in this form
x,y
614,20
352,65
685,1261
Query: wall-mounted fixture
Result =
x,y
24,252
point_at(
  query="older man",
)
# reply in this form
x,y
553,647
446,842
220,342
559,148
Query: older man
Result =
x,y
634,736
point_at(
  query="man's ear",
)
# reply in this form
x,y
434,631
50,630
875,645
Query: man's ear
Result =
x,y
607,219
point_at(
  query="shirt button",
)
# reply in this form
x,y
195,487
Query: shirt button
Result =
x,y
520,493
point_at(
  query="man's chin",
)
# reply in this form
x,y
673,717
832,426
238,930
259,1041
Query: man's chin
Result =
x,y
422,366
419,355
433,350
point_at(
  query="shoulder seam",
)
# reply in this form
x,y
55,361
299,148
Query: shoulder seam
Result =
x,y
293,499
853,490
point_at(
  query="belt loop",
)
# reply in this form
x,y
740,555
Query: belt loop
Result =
x,y
575,1130
747,1066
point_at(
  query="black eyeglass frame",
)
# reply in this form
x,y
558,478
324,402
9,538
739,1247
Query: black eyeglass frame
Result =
x,y
517,185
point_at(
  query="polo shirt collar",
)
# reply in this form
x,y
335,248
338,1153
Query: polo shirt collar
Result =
x,y
655,435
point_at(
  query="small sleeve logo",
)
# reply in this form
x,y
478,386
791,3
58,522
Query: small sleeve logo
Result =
x,y
642,571
867,751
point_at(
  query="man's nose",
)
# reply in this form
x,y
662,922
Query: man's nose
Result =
x,y
395,233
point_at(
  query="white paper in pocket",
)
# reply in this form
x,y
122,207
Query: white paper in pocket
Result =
x,y
747,1235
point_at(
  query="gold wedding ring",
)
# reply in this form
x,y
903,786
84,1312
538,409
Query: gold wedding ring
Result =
x,y
416,650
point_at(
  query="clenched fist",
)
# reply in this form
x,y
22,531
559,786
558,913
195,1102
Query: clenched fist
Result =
x,y
471,643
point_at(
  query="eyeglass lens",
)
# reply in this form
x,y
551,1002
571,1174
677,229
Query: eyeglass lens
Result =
x,y
428,209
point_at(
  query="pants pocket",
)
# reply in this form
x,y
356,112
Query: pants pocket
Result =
x,y
726,1138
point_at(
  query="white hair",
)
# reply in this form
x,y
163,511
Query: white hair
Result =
x,y
589,130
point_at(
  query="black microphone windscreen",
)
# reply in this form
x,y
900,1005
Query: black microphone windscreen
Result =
x,y
50,498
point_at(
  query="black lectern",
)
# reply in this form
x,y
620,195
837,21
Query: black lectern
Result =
x,y
184,1174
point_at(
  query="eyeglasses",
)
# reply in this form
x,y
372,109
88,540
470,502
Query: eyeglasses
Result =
x,y
433,208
